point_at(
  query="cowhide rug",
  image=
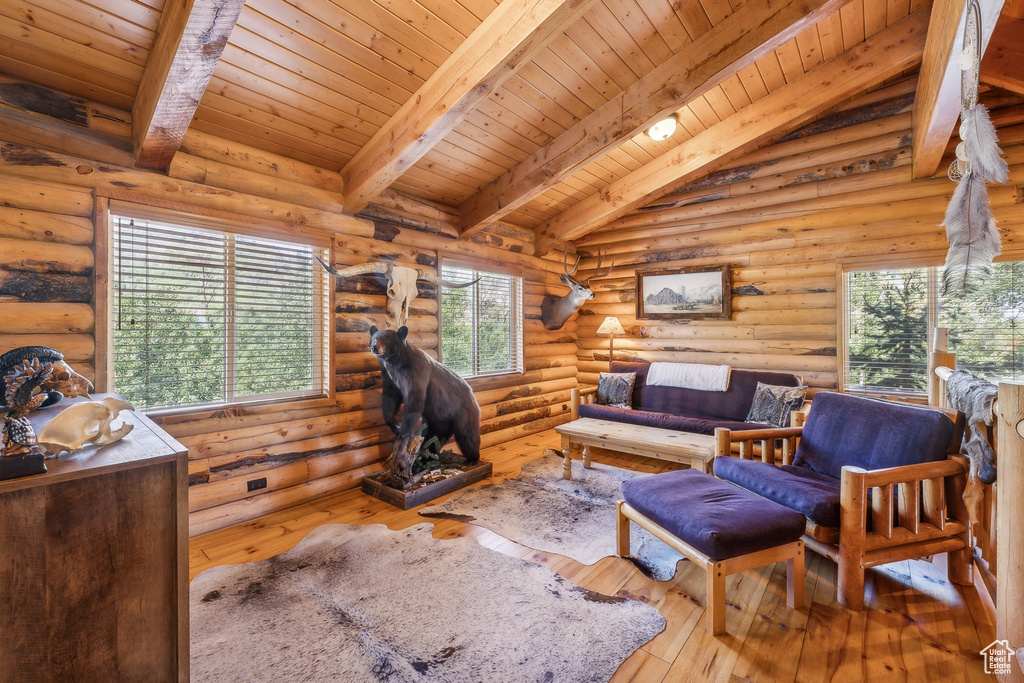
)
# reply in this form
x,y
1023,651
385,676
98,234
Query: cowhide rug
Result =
x,y
576,518
363,603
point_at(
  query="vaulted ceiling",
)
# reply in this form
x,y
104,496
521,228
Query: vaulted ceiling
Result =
x,y
530,112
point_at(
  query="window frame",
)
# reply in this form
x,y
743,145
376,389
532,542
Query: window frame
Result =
x,y
483,268
931,259
107,208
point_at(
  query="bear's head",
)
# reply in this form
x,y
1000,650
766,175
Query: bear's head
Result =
x,y
388,344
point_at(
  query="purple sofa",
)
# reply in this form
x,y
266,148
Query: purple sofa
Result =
x,y
689,410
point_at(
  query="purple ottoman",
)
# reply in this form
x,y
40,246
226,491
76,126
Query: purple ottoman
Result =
x,y
715,524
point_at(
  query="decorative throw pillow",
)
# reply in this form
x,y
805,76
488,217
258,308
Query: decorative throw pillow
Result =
x,y
616,389
773,404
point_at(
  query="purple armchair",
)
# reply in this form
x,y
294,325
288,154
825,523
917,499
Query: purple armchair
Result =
x,y
877,481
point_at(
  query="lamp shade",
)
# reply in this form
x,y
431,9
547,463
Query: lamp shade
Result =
x,y
611,325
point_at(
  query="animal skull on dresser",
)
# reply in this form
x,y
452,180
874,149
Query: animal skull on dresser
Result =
x,y
83,424
401,285
555,310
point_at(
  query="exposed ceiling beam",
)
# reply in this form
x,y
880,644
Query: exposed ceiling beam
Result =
x,y
1003,65
937,103
885,54
189,41
755,29
507,39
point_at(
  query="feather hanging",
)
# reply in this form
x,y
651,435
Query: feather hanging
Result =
x,y
970,227
972,235
981,145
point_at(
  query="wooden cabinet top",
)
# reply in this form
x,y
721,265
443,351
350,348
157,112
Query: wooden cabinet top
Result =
x,y
146,445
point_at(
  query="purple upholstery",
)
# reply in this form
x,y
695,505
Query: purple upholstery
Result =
x,y
732,404
843,429
646,418
814,495
714,517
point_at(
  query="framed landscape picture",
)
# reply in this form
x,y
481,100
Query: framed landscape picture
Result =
x,y
695,293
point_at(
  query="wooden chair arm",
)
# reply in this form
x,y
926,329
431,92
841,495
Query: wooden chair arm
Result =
x,y
907,473
580,395
765,438
928,506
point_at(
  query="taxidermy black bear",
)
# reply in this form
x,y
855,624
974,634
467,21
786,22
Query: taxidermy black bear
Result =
x,y
428,392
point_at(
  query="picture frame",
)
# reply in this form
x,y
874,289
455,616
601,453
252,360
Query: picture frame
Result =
x,y
684,293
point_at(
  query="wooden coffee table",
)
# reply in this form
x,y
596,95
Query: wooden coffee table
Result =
x,y
695,450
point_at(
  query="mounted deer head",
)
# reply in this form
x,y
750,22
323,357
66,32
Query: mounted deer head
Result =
x,y
401,285
555,310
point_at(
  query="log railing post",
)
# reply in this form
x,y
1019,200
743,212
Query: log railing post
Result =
x,y
936,387
1010,524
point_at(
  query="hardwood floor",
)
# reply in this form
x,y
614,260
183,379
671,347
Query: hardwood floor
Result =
x,y
917,626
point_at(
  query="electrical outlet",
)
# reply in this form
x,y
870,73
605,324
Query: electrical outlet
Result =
x,y
256,484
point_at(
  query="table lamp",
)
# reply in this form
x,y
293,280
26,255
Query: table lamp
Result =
x,y
611,326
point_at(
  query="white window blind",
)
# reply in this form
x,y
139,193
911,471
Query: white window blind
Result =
x,y
481,325
891,316
986,328
206,317
887,328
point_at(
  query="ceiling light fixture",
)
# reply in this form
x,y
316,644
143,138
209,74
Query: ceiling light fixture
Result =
x,y
663,129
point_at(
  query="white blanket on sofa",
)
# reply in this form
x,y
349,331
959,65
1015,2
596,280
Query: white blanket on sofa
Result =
x,y
689,376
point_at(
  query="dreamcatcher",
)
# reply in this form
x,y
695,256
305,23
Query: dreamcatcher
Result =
x,y
970,227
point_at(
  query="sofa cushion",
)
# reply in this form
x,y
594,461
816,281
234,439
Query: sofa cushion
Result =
x,y
714,517
843,429
773,404
615,389
646,418
732,404
814,495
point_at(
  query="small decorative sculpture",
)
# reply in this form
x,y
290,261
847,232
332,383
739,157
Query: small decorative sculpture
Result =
x,y
20,384
83,424
435,402
61,382
401,284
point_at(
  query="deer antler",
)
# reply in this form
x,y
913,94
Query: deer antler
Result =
x,y
565,263
609,269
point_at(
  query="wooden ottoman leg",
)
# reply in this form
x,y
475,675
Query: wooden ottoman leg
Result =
x,y
586,455
715,598
621,531
566,457
795,597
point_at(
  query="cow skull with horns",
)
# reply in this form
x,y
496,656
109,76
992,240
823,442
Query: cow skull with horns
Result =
x,y
401,284
555,310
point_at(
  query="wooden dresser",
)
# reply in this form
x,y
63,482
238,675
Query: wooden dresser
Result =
x,y
94,562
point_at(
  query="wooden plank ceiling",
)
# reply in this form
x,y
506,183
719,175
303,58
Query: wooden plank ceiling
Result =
x,y
521,128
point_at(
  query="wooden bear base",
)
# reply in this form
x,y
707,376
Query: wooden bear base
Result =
x,y
14,466
417,496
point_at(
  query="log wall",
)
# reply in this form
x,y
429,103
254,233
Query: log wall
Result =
x,y
51,178
784,218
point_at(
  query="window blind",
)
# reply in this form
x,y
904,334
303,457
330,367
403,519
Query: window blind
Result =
x,y
887,326
891,316
986,327
207,317
481,325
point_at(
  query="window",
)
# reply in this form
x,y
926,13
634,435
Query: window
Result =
x,y
207,317
891,316
481,325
